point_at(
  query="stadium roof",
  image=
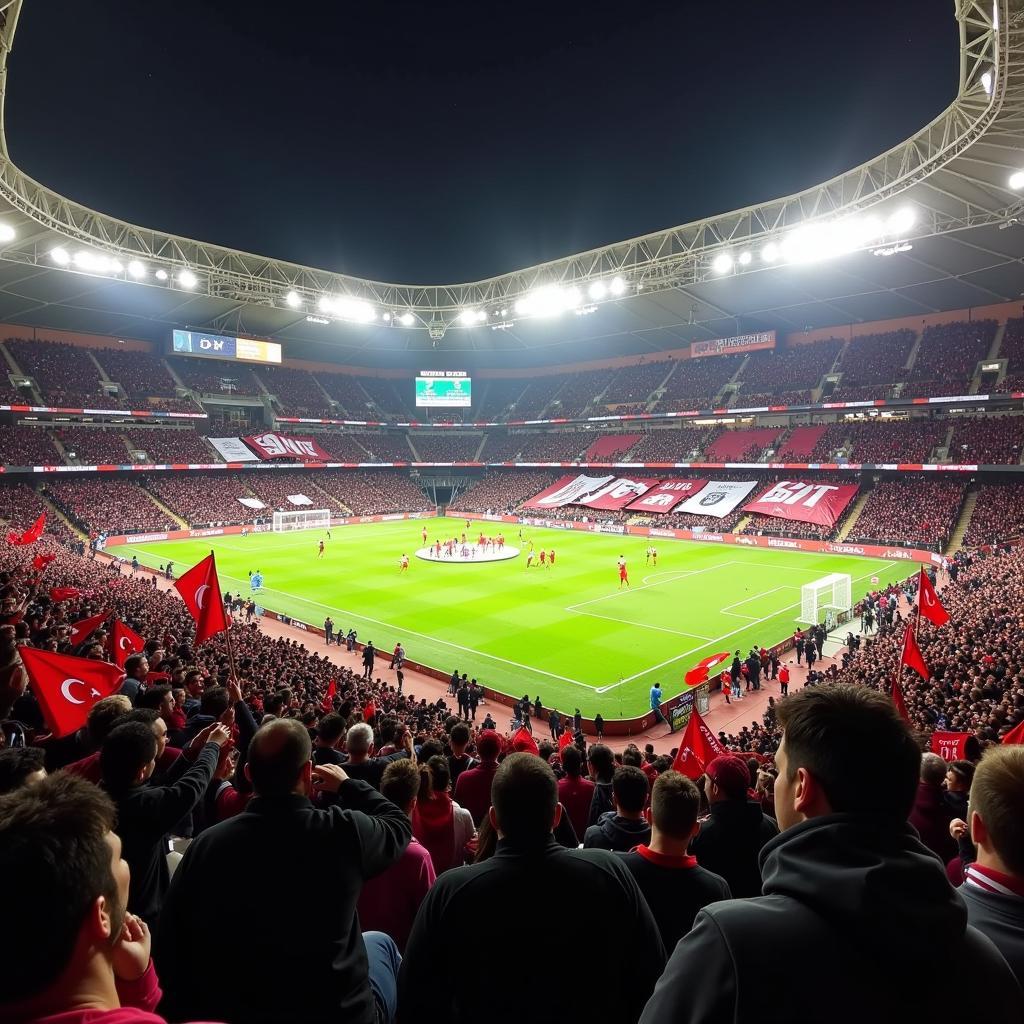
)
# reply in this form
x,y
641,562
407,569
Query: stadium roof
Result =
x,y
964,248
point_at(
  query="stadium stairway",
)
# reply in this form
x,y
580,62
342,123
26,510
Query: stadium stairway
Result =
x,y
480,447
56,513
956,539
851,519
99,368
416,454
37,398
182,524
914,349
330,500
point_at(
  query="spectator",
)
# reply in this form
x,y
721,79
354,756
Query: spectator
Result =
x,y
438,984
730,840
672,882
602,770
20,766
342,977
458,760
136,668
625,827
994,886
575,792
959,776
361,764
473,788
849,891
439,823
932,812
389,901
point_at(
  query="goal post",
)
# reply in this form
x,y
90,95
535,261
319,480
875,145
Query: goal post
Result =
x,y
302,519
831,593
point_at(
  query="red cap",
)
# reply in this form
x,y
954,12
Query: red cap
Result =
x,y
730,774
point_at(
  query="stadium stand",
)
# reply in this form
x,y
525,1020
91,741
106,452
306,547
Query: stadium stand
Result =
x,y
296,392
374,493
832,441
742,445
685,444
274,489
998,515
206,499
871,363
213,377
987,440
606,448
90,446
499,395
537,396
21,505
27,446
793,371
445,447
384,395
108,505
580,391
801,444
948,355
634,385
145,379
386,446
912,511
502,447
343,447
348,393
1011,348
695,383
503,490
66,375
171,444
889,441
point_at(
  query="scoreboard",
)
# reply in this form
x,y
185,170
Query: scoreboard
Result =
x,y
220,346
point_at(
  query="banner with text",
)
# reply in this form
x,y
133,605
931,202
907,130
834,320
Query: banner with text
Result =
x,y
804,502
617,493
663,498
232,449
718,498
567,490
950,746
271,445
726,346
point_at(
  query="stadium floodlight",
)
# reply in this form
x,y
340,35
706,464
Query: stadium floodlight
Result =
x,y
136,270
722,263
60,256
7,233
161,274
471,316
116,267
986,82
187,279
549,300
347,307
901,221
293,299
744,258
91,262
597,290
504,312
407,319
1016,180
386,317
618,286
326,304
770,253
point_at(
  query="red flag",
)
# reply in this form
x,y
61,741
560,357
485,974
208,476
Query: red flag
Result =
x,y
928,601
565,740
125,642
42,561
897,699
67,687
699,672
84,628
59,594
327,703
1016,734
911,656
35,531
698,747
524,743
200,590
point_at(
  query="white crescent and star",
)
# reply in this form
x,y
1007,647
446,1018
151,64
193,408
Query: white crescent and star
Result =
x,y
65,689
201,594
125,644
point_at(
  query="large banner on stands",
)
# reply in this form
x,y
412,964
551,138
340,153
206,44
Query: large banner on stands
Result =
x,y
804,502
718,498
567,491
271,445
233,449
666,496
606,493
618,493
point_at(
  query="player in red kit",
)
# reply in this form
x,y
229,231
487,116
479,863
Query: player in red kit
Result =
x,y
543,556
623,573
320,553
424,535
403,565
551,557
501,541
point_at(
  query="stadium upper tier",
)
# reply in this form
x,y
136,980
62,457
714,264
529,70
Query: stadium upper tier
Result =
x,y
914,231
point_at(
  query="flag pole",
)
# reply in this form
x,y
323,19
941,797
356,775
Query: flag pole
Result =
x,y
227,632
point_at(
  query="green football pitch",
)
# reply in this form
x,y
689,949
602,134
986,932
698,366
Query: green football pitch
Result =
x,y
567,634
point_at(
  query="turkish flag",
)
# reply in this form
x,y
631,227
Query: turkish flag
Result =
x,y
59,594
42,561
125,642
200,590
897,699
699,672
698,747
84,628
565,740
67,687
1016,734
332,689
524,743
911,656
928,601
31,535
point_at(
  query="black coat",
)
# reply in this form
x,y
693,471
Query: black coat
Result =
x,y
447,977
729,842
867,911
297,956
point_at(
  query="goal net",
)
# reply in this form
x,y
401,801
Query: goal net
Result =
x,y
302,519
824,599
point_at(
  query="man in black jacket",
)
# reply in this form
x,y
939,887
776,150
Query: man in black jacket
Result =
x,y
293,960
602,769
145,814
446,978
625,827
854,904
369,653
729,842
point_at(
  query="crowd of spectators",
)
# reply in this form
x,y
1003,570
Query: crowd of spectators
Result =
x,y
757,399
998,515
871,362
91,446
915,511
634,385
273,489
374,493
742,445
386,446
346,390
695,383
21,505
800,444
171,445
444,446
66,375
796,368
682,444
343,447
204,500
296,392
537,396
142,376
948,355
499,393
27,446
889,441
108,505
832,441
386,398
1011,348
502,491
987,440
213,377
579,392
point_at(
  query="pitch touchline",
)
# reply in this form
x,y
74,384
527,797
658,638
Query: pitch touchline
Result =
x,y
724,636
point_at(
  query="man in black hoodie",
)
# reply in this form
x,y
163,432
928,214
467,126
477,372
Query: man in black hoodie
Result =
x,y
602,768
622,829
856,910
729,842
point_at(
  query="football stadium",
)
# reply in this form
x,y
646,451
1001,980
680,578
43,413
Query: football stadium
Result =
x,y
675,579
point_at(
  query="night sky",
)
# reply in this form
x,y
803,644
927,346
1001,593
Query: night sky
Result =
x,y
442,141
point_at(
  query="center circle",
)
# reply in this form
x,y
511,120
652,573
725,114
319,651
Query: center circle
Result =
x,y
474,554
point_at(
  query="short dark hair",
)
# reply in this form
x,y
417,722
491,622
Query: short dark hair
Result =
x,y
53,844
153,697
675,801
524,794
17,764
460,733
401,782
629,787
133,662
127,749
214,701
388,730
440,773
631,756
828,729
331,728
147,716
277,754
603,760
572,760
104,715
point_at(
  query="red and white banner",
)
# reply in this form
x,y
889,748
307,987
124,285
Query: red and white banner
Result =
x,y
718,498
618,493
567,490
950,746
271,445
805,502
740,343
666,496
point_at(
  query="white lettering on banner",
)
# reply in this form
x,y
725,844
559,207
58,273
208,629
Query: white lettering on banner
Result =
x,y
660,499
141,538
845,549
898,553
658,531
213,532
276,444
749,541
708,536
791,493
393,515
775,543
366,519
936,559
574,490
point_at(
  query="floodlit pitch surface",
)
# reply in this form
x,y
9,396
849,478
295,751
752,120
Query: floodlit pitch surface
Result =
x,y
568,634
